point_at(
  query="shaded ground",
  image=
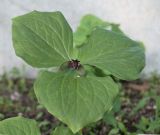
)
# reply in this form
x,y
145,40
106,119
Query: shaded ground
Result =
x,y
135,110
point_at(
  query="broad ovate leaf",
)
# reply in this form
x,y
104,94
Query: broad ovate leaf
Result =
x,y
114,53
19,126
42,39
87,24
61,130
76,101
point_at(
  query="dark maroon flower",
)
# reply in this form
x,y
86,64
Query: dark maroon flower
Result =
x,y
74,64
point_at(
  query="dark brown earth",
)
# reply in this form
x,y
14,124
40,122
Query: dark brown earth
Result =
x,y
18,98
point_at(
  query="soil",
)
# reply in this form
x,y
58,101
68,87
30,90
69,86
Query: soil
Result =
x,y
24,102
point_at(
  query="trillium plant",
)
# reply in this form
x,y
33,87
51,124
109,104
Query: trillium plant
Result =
x,y
76,83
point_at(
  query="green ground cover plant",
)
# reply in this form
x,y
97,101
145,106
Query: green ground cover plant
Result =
x,y
123,111
84,85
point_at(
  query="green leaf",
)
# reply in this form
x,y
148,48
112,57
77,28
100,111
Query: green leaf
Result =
x,y
122,127
115,28
143,124
61,130
114,131
42,39
18,126
110,119
116,53
87,24
117,104
77,101
154,126
141,104
157,98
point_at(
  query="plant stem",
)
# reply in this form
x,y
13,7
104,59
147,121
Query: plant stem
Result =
x,y
80,132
